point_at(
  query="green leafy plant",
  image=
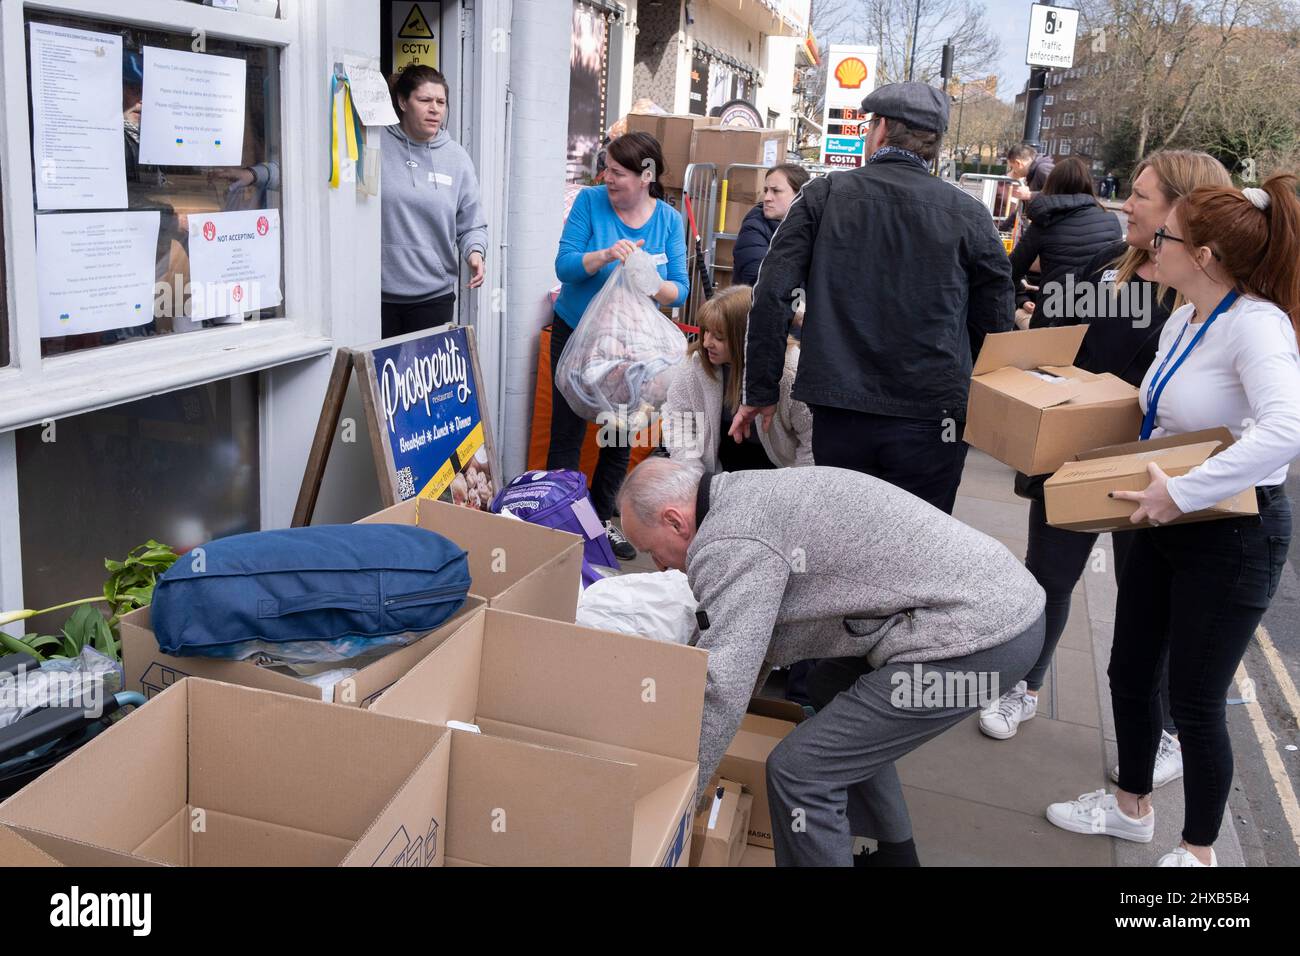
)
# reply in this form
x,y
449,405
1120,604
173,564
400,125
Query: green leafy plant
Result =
x,y
129,586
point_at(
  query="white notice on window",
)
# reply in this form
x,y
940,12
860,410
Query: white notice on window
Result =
x,y
193,109
95,271
234,263
77,140
369,91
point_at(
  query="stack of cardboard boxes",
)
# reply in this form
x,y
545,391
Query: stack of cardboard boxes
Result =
x,y
699,139
508,736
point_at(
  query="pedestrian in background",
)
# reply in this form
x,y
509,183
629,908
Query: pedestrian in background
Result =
x,y
904,275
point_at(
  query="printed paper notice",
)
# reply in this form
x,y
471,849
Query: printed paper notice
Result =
x,y
369,91
77,119
234,263
193,109
95,271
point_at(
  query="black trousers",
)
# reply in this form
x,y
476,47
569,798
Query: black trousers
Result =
x,y
1194,593
920,456
1057,559
569,429
397,318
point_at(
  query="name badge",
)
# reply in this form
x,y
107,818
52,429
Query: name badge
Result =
x,y
442,179
1110,275
659,258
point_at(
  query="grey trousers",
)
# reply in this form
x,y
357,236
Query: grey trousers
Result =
x,y
833,777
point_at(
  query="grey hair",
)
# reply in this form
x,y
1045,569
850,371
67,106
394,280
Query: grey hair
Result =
x,y
656,484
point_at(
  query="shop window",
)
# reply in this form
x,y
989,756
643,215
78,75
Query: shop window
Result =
x,y
221,178
181,468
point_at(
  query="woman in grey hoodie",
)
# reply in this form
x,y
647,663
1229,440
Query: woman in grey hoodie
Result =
x,y
431,213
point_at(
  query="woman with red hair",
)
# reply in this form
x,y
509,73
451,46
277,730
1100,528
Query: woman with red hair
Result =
x,y
1196,592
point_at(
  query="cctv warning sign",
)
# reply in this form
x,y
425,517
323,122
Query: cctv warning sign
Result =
x,y
415,34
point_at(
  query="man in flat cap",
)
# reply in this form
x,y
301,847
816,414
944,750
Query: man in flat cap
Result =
x,y
902,275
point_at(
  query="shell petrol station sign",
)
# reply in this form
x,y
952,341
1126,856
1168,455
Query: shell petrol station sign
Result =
x,y
850,76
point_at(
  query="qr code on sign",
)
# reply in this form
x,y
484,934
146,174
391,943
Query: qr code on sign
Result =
x,y
405,484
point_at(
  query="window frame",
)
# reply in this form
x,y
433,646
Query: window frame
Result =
x,y
35,389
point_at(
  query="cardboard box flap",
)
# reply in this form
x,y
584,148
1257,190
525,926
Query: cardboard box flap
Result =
x,y
1221,434
444,686
631,691
31,847
1097,389
1179,459
141,765
518,804
1031,348
411,829
296,762
1024,386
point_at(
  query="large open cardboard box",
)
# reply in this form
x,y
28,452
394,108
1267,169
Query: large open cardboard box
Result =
x,y
1077,497
513,565
1030,408
212,774
632,702
149,671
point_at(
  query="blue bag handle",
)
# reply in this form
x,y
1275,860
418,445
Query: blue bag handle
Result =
x,y
317,601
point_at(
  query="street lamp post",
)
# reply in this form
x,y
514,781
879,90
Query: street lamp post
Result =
x,y
916,27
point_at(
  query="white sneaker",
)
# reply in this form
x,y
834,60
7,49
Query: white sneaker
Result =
x,y
1099,813
1002,718
1169,761
1181,856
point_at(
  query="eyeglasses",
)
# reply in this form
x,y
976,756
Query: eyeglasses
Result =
x,y
1161,235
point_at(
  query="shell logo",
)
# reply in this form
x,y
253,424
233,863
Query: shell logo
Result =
x,y
850,73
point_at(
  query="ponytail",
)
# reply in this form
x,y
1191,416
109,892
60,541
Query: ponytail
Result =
x,y
1279,271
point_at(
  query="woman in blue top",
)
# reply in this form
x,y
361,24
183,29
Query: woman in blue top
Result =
x,y
604,227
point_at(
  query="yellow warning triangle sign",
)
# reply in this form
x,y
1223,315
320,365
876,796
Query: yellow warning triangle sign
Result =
x,y
415,27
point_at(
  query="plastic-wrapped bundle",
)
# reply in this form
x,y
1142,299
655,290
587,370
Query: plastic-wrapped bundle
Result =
x,y
619,360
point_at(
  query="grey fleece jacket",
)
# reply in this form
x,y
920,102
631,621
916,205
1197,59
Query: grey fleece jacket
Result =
x,y
431,215
813,562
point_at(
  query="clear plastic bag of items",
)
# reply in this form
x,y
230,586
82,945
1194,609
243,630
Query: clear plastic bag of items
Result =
x,y
620,359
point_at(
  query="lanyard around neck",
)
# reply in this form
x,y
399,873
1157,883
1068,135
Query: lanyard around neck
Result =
x,y
1158,384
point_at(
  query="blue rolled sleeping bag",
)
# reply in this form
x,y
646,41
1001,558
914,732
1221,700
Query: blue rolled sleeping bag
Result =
x,y
332,591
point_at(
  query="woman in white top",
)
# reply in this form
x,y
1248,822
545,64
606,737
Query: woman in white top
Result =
x,y
1198,591
705,394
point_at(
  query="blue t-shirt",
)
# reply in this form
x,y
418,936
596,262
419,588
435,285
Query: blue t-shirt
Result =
x,y
594,225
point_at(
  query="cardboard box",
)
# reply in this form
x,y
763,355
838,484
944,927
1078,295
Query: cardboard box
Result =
x,y
758,856
719,839
729,145
211,774
1077,496
674,133
513,565
632,702
149,671
765,725
1030,408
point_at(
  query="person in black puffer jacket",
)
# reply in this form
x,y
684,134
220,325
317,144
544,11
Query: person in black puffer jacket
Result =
x,y
781,186
1068,225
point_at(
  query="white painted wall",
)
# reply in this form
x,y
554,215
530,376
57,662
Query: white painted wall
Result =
x,y
539,91
777,91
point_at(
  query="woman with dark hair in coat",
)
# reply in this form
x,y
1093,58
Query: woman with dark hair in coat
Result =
x,y
779,191
1068,226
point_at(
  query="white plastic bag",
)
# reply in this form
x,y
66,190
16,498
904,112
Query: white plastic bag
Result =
x,y
657,604
620,358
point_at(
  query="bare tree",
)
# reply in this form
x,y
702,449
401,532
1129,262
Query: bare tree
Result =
x,y
1162,55
889,25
